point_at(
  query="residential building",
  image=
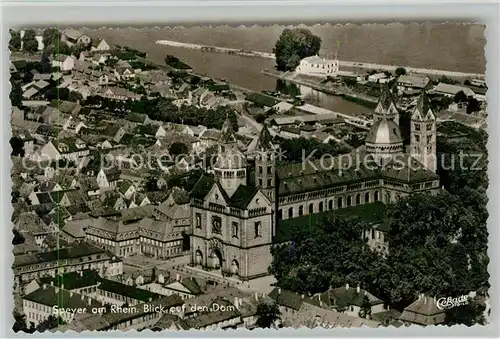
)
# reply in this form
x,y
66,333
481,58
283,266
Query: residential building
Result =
x,y
317,66
423,311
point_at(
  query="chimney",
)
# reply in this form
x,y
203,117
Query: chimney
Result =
x,y
366,293
241,301
83,297
51,283
346,287
358,289
44,286
177,277
319,297
320,303
71,294
62,286
279,290
256,296
303,296
57,289
150,299
81,273
90,301
236,303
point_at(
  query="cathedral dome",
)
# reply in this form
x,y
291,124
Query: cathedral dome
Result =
x,y
384,131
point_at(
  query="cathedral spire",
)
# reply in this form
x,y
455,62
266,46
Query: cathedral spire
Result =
x,y
227,132
265,141
386,106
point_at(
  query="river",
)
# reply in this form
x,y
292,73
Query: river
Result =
x,y
453,47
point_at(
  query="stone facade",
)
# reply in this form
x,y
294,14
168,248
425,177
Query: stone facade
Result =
x,y
234,220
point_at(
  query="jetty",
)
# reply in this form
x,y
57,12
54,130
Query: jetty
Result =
x,y
342,63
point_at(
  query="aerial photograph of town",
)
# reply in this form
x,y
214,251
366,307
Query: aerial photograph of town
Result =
x,y
170,178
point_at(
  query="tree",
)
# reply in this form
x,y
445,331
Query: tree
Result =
x,y
178,148
473,105
17,147
293,45
78,48
16,94
45,64
460,97
18,238
30,44
50,323
306,264
446,80
51,37
436,247
15,40
267,314
469,315
20,324
400,71
366,308
75,96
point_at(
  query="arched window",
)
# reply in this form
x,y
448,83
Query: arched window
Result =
x,y
367,197
320,206
330,205
349,201
280,214
301,210
290,212
339,202
373,233
311,208
376,196
358,199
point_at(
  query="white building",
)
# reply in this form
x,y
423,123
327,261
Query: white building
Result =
x,y
317,66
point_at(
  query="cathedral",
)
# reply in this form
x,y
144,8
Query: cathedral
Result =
x,y
235,213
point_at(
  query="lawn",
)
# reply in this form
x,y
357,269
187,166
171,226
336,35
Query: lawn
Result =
x,y
372,213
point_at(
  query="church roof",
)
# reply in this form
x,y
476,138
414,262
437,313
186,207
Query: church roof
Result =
x,y
227,132
386,99
407,169
423,110
243,195
265,139
202,187
384,131
240,198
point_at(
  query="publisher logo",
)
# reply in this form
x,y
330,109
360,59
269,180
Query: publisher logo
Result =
x,y
447,303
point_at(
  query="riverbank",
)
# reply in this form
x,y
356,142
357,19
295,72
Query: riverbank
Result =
x,y
342,63
316,84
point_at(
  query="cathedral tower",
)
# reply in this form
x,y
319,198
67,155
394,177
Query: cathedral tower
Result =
x,y
230,169
265,164
386,107
423,133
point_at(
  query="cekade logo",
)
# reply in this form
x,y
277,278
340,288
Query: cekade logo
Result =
x,y
447,303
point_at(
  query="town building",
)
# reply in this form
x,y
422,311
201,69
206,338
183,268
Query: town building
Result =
x,y
317,66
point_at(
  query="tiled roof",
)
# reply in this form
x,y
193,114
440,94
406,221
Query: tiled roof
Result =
x,y
75,251
242,196
127,290
73,280
52,296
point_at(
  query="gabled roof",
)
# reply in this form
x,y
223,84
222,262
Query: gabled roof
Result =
x,y
265,140
386,98
202,187
227,132
243,195
423,110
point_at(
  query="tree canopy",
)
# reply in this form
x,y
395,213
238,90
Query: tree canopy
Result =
x,y
267,314
400,71
293,45
30,44
15,40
